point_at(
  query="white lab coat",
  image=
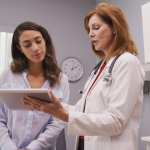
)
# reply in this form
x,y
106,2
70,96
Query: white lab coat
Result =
x,y
112,114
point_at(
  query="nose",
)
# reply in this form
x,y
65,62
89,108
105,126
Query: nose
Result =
x,y
34,47
91,34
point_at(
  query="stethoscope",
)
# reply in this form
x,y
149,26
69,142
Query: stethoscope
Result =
x,y
107,77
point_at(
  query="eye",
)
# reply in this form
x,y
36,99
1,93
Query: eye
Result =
x,y
39,41
95,27
27,45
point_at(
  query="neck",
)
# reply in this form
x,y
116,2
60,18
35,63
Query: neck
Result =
x,y
35,69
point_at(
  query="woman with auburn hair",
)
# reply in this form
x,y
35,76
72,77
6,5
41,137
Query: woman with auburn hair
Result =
x,y
114,17
107,117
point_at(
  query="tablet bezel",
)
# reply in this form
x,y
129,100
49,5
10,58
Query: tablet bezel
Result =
x,y
8,96
25,91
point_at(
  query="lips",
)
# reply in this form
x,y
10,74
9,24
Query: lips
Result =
x,y
37,55
94,42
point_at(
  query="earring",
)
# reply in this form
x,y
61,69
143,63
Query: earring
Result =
x,y
114,32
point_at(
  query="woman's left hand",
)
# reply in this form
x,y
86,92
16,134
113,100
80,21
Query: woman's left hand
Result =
x,y
54,107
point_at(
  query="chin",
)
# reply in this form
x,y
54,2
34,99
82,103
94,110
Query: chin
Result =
x,y
37,61
98,49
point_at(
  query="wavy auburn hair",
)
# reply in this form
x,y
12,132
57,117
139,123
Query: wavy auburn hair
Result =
x,y
114,17
20,61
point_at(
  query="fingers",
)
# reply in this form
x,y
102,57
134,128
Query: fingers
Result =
x,y
32,103
53,99
27,103
51,107
50,94
33,100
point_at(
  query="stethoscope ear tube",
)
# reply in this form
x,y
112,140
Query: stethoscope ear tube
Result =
x,y
108,76
112,64
97,67
110,68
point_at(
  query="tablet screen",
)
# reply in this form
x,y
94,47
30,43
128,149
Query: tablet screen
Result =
x,y
13,98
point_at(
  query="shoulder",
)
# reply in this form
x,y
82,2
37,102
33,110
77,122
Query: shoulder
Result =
x,y
8,73
8,78
5,74
128,59
5,77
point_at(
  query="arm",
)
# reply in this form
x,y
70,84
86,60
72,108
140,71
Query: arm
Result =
x,y
5,140
65,88
48,138
55,108
125,92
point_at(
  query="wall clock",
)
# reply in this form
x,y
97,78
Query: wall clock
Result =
x,y
73,68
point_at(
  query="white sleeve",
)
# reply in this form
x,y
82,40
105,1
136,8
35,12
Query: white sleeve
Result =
x,y
72,108
65,88
4,79
5,140
48,138
126,90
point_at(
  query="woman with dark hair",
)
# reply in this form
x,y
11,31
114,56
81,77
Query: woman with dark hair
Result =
x,y
20,63
33,65
107,117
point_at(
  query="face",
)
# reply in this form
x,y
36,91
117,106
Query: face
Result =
x,y
101,35
32,45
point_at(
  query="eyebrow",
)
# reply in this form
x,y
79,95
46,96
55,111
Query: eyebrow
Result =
x,y
96,24
35,38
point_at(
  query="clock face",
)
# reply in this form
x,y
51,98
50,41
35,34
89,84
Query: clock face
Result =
x,y
73,68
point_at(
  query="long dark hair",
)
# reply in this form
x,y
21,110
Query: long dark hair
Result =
x,y
20,62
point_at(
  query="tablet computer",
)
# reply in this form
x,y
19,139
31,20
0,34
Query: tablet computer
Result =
x,y
13,98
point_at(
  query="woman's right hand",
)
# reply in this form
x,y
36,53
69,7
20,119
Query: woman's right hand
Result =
x,y
54,108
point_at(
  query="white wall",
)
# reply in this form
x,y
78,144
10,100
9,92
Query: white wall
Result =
x,y
63,19
146,30
132,9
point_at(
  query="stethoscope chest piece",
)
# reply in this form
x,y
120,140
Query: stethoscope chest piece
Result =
x,y
108,78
